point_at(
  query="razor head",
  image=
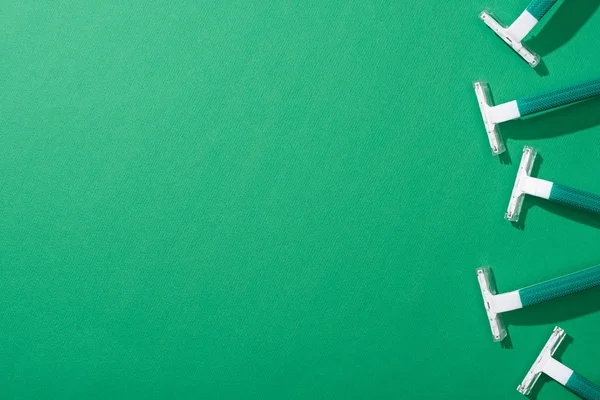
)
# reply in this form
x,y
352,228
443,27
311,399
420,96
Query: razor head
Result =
x,y
485,276
518,196
484,98
505,34
538,367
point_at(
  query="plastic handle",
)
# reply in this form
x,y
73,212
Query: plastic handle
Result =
x,y
539,8
575,198
583,387
560,287
560,97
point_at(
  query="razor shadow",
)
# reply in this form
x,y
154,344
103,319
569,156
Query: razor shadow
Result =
x,y
546,364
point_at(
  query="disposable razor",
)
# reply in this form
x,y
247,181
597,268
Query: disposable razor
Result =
x,y
514,34
493,115
526,184
564,375
497,304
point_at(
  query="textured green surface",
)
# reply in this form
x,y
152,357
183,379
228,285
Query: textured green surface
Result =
x,y
583,387
559,287
560,97
575,198
281,199
539,8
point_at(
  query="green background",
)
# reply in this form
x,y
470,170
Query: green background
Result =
x,y
281,199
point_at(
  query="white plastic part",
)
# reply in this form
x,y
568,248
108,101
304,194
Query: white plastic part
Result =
x,y
536,187
525,184
494,115
558,371
514,35
546,364
506,302
522,26
504,112
495,304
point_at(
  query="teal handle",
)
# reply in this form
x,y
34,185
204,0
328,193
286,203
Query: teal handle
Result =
x,y
560,97
575,198
560,287
539,8
583,387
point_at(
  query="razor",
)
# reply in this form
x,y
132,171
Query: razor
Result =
x,y
514,34
497,304
546,364
493,115
525,184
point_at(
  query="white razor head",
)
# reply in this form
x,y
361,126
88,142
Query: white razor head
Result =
x,y
518,196
505,34
484,99
538,367
487,284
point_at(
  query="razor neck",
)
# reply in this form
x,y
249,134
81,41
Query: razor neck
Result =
x,y
501,303
522,26
557,371
504,112
535,186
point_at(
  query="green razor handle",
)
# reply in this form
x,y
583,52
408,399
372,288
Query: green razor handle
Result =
x,y
575,198
583,387
539,8
560,287
558,98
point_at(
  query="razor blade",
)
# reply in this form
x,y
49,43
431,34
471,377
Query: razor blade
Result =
x,y
518,193
488,291
484,98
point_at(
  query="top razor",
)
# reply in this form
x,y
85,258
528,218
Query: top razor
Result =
x,y
546,364
496,114
513,35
